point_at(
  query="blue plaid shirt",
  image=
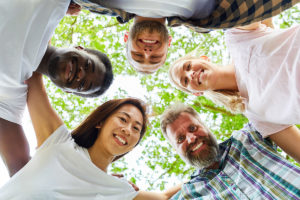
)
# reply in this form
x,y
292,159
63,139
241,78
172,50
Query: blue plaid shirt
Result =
x,y
250,168
226,14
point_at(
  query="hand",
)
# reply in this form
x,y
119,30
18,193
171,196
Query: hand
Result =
x,y
131,183
73,9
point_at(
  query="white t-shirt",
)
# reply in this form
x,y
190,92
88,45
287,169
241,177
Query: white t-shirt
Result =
x,y
61,169
195,9
26,27
267,64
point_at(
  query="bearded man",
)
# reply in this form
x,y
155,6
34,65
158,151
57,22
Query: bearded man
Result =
x,y
245,166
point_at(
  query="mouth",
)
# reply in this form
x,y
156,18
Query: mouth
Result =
x,y
200,76
148,42
120,140
71,71
197,147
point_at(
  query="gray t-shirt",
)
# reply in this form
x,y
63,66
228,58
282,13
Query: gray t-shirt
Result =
x,y
194,9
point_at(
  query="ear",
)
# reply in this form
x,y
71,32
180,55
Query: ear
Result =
x,y
170,40
126,35
205,58
79,48
198,94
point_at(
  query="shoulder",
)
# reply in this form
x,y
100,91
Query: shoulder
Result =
x,y
60,135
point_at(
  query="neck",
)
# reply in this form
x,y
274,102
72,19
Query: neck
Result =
x,y
214,165
226,79
139,19
43,66
101,159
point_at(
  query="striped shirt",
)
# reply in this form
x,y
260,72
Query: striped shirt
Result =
x,y
226,14
250,168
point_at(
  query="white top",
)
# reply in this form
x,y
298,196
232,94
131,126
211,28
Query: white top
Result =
x,y
195,9
61,169
26,27
267,64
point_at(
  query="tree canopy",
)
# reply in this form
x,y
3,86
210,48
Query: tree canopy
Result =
x,y
154,164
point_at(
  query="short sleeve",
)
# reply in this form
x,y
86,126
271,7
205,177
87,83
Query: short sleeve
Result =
x,y
267,128
12,102
60,135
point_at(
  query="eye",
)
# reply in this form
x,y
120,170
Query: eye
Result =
x,y
139,55
81,85
123,119
192,128
136,128
186,81
188,67
180,139
86,66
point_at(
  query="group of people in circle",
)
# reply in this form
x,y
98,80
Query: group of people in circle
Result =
x,y
261,82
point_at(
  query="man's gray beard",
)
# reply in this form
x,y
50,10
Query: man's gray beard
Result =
x,y
206,157
150,27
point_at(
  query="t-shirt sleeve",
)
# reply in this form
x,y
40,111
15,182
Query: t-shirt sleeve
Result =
x,y
12,103
266,128
60,135
238,36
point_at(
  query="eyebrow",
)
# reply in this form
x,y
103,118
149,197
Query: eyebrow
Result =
x,y
89,87
93,66
130,118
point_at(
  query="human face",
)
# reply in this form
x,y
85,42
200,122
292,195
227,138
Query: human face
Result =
x,y
195,75
121,130
193,141
77,71
148,45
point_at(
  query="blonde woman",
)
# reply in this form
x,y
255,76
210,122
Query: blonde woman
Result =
x,y
263,83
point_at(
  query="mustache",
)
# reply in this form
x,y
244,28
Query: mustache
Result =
x,y
205,139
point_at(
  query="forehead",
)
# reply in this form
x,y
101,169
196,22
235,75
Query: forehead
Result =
x,y
177,70
184,120
131,111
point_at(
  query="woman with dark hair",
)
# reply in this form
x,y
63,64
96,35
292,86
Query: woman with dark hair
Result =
x,y
74,166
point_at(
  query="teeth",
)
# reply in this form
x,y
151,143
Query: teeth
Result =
x,y
70,73
149,41
120,139
197,147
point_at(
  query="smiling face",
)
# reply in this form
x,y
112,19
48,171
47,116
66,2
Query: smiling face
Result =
x,y
193,141
75,70
121,130
194,75
147,45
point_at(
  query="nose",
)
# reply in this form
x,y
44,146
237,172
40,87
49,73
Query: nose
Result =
x,y
147,49
192,74
81,74
190,137
125,130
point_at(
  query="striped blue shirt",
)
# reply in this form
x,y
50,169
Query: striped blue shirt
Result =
x,y
250,168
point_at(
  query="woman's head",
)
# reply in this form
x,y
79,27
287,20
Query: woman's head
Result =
x,y
120,117
196,74
193,74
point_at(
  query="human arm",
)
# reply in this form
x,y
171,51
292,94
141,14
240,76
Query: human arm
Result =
x,y
145,195
289,141
73,9
44,118
268,22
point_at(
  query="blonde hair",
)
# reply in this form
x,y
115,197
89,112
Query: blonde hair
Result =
x,y
231,100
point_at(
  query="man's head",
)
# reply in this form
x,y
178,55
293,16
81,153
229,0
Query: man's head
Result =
x,y
147,44
84,72
193,141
